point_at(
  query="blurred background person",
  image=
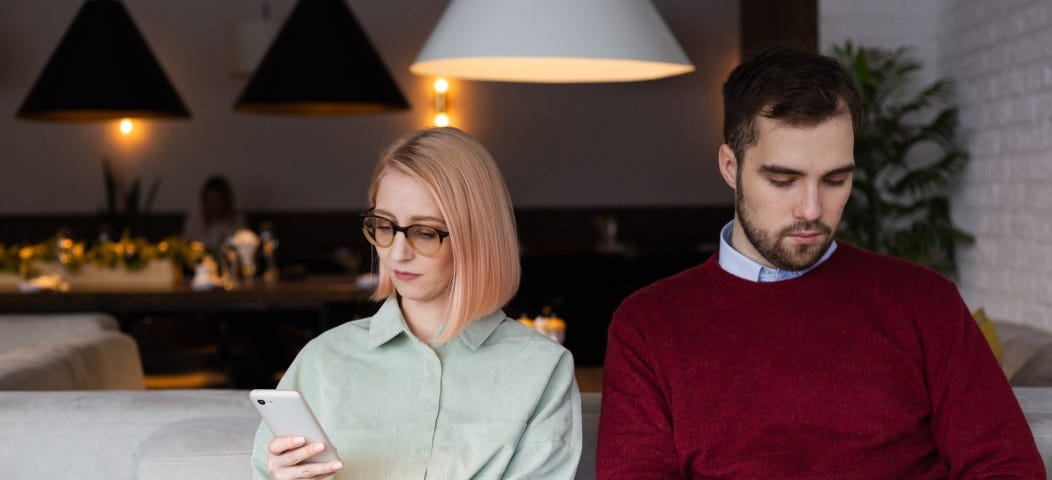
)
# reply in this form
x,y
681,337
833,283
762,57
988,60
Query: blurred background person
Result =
x,y
216,217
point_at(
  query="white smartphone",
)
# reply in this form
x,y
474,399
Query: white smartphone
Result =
x,y
288,414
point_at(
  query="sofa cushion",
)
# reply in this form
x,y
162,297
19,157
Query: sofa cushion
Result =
x,y
21,330
590,429
91,360
1036,372
217,447
1027,353
79,351
987,327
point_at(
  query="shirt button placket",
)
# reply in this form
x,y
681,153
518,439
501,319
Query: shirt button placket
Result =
x,y
432,392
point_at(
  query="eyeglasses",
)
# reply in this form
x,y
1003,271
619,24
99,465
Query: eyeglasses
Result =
x,y
423,239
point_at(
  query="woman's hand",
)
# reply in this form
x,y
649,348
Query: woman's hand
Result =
x,y
285,454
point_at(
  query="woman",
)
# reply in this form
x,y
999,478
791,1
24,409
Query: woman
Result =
x,y
439,383
216,217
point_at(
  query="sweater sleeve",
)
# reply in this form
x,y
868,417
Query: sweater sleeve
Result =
x,y
635,426
976,422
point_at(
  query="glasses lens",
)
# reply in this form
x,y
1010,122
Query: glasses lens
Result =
x,y
379,231
425,239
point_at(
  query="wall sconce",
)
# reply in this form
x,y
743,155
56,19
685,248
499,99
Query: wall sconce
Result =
x,y
441,102
126,126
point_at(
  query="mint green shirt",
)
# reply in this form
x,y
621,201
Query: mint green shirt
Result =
x,y
498,401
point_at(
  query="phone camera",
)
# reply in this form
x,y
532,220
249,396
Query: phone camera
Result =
x,y
261,402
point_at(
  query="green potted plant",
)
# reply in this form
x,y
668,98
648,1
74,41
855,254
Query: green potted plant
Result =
x,y
131,219
906,157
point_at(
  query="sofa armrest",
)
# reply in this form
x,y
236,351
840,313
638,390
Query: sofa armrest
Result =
x,y
96,434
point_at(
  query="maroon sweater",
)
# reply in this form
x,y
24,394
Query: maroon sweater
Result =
x,y
867,367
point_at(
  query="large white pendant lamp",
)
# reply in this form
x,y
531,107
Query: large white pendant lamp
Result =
x,y
552,41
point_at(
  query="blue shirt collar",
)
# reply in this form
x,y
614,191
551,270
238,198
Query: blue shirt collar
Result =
x,y
734,263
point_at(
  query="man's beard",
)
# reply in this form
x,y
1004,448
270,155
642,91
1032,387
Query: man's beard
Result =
x,y
771,247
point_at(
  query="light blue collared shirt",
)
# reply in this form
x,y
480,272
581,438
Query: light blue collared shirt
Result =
x,y
744,267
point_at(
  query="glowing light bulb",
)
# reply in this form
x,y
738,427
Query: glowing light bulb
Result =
x,y
126,126
441,85
441,120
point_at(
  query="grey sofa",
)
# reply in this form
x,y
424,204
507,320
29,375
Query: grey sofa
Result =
x,y
176,434
80,351
207,434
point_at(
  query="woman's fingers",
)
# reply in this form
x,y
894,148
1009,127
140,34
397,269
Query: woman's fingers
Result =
x,y
314,470
281,445
286,454
298,455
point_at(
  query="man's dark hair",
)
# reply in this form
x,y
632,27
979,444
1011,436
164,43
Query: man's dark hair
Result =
x,y
798,88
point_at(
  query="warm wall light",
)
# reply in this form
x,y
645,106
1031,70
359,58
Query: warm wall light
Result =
x,y
441,85
126,136
441,102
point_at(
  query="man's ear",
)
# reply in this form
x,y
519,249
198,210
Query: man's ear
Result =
x,y
728,166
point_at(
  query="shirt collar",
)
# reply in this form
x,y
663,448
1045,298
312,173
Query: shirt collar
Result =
x,y
477,331
733,262
388,322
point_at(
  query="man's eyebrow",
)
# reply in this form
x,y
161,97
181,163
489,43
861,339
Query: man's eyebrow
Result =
x,y
780,170
838,171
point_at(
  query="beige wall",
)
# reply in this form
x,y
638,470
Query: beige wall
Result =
x,y
650,143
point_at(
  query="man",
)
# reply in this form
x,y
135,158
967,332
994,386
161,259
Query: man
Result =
x,y
788,355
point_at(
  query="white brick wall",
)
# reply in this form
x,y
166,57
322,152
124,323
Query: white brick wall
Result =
x,y
1000,54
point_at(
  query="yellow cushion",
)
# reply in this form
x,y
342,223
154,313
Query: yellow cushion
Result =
x,y
989,332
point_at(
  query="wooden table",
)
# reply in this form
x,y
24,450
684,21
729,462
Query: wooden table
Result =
x,y
315,293
236,330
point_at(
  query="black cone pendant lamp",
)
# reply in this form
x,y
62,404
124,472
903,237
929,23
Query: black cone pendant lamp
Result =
x,y
321,63
102,69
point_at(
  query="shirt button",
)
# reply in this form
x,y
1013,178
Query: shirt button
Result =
x,y
420,452
429,408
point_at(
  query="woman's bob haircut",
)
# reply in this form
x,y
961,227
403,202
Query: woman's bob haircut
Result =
x,y
473,199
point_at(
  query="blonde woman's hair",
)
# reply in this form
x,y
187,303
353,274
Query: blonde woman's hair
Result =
x,y
473,199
